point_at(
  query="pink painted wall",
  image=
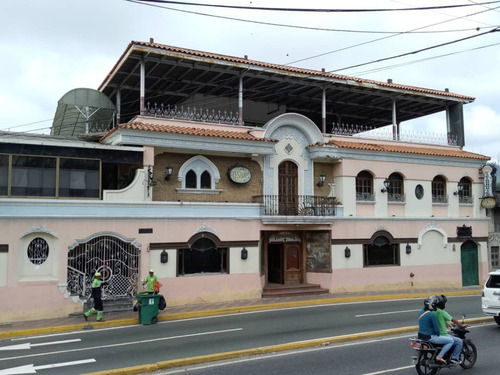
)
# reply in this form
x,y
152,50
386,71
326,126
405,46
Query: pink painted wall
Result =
x,y
194,289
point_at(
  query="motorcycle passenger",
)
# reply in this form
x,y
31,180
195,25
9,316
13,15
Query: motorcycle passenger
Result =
x,y
428,328
443,318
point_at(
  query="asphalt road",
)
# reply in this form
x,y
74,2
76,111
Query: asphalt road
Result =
x,y
112,348
389,355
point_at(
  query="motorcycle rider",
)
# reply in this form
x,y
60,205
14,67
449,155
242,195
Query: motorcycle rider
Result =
x,y
443,318
428,328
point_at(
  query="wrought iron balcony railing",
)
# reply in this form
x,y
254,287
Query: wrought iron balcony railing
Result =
x,y
296,205
439,198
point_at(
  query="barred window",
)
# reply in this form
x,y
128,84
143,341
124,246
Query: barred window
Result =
x,y
38,251
439,190
395,191
465,191
494,257
364,186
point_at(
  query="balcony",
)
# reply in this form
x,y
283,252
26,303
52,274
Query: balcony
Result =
x,y
297,205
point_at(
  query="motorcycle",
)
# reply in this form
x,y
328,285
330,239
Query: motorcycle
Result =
x,y
425,362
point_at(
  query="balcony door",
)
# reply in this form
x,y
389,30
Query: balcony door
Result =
x,y
287,188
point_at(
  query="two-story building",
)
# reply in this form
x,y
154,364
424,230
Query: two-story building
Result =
x,y
234,179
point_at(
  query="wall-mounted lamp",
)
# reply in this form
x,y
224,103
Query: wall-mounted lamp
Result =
x,y
244,253
164,257
347,252
168,172
408,248
460,188
322,178
387,183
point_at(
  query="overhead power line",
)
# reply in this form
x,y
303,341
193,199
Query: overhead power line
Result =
x,y
389,36
416,51
298,26
313,10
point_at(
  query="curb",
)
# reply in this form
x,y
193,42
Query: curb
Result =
x,y
223,311
163,365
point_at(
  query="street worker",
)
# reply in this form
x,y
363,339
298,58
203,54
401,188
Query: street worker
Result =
x,y
97,297
152,282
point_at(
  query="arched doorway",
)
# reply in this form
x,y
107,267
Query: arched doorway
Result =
x,y
470,273
287,188
117,259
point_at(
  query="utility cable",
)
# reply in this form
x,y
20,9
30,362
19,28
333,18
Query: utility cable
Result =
x,y
416,51
312,10
299,26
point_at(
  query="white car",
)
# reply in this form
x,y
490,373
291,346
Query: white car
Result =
x,y
491,296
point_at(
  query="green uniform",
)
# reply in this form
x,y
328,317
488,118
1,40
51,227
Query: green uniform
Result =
x,y
150,280
97,296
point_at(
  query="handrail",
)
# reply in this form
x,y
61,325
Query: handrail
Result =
x,y
296,205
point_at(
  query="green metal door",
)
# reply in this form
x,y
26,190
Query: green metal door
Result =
x,y
470,274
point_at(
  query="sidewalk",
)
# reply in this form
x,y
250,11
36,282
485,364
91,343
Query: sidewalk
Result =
x,y
71,323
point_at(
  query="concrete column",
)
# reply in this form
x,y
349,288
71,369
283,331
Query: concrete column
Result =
x,y
240,102
323,112
118,105
143,88
395,130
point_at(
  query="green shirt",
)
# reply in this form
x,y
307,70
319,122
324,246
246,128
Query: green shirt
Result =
x,y
443,317
150,280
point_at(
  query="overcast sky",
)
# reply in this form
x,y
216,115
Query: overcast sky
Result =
x,y
49,47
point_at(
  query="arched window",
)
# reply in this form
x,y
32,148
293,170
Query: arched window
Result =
x,y
381,252
465,191
199,174
202,257
439,194
191,179
364,186
395,190
205,180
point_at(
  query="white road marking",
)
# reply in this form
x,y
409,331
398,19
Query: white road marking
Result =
x,y
28,345
389,370
125,343
31,369
386,313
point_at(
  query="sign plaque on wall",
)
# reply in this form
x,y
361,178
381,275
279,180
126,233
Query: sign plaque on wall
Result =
x,y
239,174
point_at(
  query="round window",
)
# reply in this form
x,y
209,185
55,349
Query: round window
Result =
x,y
419,191
38,251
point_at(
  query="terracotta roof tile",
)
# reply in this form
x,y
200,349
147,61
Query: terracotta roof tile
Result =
x,y
286,68
431,151
187,131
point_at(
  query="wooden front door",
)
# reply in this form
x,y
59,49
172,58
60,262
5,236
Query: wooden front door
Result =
x,y
287,188
470,274
293,264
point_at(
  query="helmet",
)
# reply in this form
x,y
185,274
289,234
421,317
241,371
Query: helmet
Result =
x,y
441,302
97,274
151,271
431,302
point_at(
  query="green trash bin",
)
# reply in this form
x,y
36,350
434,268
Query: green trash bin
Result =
x,y
148,307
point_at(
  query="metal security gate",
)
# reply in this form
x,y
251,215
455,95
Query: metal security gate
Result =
x,y
116,259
